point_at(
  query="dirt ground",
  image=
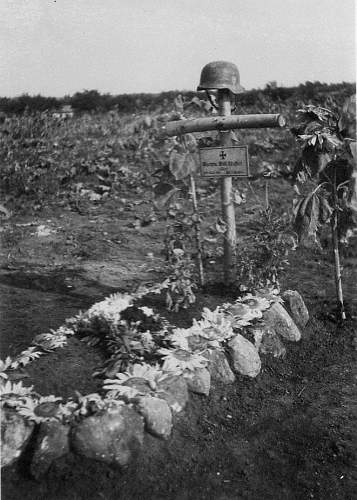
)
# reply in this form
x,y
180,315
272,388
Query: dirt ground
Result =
x,y
288,434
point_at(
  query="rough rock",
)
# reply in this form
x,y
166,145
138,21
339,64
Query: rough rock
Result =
x,y
219,367
244,356
157,415
199,381
278,321
296,307
15,434
114,435
173,390
51,443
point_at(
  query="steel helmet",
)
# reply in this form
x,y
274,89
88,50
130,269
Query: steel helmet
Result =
x,y
220,75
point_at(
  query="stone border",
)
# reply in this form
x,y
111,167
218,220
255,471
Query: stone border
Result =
x,y
144,398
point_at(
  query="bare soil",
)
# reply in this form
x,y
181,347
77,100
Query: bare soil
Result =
x,y
288,434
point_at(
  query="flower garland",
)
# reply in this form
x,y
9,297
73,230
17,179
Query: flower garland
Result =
x,y
152,354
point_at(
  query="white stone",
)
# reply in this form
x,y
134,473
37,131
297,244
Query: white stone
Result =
x,y
244,356
15,433
199,381
115,435
173,390
51,444
296,306
219,367
278,321
157,415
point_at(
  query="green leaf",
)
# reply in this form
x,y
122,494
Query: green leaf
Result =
x,y
307,219
325,210
163,194
182,165
323,160
162,188
353,149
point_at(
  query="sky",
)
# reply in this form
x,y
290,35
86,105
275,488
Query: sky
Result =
x,y
58,47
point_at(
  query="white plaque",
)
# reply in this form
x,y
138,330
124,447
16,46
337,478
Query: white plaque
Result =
x,y
224,161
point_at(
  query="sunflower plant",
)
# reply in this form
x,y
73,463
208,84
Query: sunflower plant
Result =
x,y
49,341
241,315
325,180
178,361
13,394
255,302
215,325
41,409
26,357
180,285
4,366
138,380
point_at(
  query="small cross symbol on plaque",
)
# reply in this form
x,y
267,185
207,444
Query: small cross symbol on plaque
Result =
x,y
222,155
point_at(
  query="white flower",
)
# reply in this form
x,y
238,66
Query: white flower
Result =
x,y
241,314
200,344
179,337
111,307
180,360
12,388
5,365
255,302
63,331
26,357
42,409
137,380
49,341
219,332
197,338
215,325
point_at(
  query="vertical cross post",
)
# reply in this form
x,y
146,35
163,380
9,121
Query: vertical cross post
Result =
x,y
230,240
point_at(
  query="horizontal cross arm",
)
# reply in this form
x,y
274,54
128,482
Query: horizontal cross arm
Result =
x,y
223,123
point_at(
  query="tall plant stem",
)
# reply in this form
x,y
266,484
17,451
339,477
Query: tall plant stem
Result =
x,y
197,230
336,252
266,194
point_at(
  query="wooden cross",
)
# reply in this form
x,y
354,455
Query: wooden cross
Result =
x,y
224,122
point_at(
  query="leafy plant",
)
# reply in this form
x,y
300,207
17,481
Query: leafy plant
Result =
x,y
180,284
176,184
327,162
25,357
262,256
4,366
49,341
43,409
138,380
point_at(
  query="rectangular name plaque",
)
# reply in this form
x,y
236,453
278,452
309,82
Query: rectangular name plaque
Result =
x,y
224,161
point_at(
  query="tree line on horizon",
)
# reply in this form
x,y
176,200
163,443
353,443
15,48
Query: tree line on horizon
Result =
x,y
94,101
